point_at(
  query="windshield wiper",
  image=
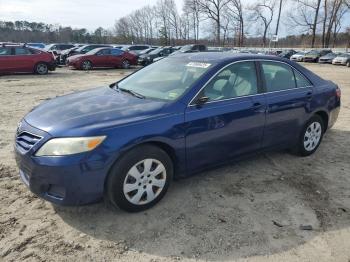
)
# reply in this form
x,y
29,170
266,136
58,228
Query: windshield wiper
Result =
x,y
131,92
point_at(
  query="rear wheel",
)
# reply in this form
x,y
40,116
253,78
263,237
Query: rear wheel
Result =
x,y
126,64
41,69
140,178
86,65
311,136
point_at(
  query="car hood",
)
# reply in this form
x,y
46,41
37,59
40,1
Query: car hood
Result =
x,y
83,112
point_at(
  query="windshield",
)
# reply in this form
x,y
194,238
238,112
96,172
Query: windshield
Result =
x,y
167,79
146,51
344,55
186,48
313,52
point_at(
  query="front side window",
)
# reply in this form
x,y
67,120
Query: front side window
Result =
x,y
278,76
22,51
236,80
5,51
167,79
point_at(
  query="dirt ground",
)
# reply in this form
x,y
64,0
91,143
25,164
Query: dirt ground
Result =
x,y
247,211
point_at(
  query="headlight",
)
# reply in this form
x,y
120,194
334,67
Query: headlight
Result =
x,y
70,145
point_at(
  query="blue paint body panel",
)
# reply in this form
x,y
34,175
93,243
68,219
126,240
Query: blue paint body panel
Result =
x,y
198,136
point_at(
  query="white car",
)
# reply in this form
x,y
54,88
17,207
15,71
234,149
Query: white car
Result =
x,y
343,59
298,57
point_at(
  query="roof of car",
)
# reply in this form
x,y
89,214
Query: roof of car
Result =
x,y
222,57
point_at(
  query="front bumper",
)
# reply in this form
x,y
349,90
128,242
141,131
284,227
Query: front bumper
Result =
x,y
339,62
64,180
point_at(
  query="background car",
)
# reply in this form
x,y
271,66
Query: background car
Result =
x,y
147,59
24,59
186,49
36,45
343,59
135,49
86,48
314,55
102,57
328,58
287,53
298,57
57,48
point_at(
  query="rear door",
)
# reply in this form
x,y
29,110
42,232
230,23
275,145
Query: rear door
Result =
x,y
288,97
115,58
231,122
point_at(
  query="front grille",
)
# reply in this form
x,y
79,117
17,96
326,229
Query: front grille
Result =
x,y
26,140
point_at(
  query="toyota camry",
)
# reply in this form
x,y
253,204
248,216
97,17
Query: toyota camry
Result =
x,y
127,141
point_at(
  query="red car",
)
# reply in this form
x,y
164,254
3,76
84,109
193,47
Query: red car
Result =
x,y
102,57
23,59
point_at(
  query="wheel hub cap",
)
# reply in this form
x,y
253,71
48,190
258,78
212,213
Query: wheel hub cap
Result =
x,y
144,181
312,136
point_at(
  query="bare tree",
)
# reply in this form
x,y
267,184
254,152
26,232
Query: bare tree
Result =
x,y
213,10
192,8
263,11
236,9
305,15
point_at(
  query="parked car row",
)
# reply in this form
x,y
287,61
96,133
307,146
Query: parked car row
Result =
x,y
322,56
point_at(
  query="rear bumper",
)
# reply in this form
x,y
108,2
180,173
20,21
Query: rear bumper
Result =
x,y
333,116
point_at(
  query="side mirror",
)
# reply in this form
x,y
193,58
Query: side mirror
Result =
x,y
202,100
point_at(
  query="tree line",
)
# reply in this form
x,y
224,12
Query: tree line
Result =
x,y
312,23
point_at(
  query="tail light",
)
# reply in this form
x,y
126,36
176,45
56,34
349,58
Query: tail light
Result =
x,y
338,92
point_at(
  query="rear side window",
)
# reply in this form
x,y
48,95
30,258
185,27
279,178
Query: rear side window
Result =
x,y
104,52
278,76
22,51
235,80
301,80
5,51
116,52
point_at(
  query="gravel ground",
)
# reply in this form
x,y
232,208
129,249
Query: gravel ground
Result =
x,y
248,211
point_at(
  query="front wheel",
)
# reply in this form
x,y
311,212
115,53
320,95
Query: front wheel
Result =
x,y
140,178
41,69
348,64
311,136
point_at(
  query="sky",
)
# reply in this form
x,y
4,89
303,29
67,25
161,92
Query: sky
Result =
x,y
91,14
88,14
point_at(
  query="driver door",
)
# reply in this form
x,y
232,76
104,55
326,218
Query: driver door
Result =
x,y
230,123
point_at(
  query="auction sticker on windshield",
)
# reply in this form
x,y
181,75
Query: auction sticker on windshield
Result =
x,y
198,64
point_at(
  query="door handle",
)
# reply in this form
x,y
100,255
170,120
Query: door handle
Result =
x,y
258,107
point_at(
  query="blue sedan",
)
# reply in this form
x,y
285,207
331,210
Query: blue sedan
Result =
x,y
127,141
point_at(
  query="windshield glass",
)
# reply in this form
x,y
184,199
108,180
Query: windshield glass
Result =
x,y
185,48
167,79
344,55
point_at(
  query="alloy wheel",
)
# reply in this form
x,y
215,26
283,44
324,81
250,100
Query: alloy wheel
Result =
x,y
125,64
144,181
41,69
312,136
86,65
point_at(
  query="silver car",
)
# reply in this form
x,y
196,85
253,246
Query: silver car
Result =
x,y
343,59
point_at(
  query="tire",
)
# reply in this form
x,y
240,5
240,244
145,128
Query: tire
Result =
x,y
132,190
311,136
86,65
125,64
348,64
41,69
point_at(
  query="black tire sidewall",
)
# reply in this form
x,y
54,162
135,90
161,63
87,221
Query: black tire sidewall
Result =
x,y
301,149
117,174
37,71
123,64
